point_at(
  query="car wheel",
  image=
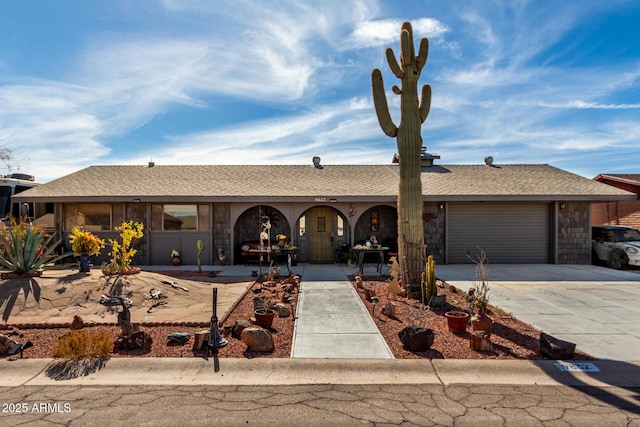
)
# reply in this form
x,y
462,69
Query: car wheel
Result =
x,y
594,258
618,260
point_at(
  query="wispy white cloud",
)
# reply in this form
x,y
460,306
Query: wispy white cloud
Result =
x,y
507,80
387,31
330,131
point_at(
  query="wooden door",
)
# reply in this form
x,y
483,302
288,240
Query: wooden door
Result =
x,y
320,229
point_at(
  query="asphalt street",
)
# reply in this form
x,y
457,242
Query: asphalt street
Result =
x,y
319,392
320,405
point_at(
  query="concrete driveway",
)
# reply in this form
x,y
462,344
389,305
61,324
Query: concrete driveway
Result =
x,y
595,307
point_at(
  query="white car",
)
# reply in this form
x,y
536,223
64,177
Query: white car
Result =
x,y
616,245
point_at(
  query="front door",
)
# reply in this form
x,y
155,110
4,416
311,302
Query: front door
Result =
x,y
320,230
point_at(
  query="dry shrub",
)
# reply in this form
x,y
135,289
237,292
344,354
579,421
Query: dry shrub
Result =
x,y
83,345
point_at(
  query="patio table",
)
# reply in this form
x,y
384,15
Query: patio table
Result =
x,y
362,250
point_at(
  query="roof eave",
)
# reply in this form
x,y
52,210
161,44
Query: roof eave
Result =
x,y
601,177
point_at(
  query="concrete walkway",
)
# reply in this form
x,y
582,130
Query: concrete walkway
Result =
x,y
332,322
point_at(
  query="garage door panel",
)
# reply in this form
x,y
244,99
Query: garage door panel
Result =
x,y
507,232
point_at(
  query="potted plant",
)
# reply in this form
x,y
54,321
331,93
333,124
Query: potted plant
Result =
x,y
175,257
352,257
263,312
85,244
457,320
480,321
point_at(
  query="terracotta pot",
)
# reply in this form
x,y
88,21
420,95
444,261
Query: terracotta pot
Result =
x,y
457,320
175,260
481,322
264,317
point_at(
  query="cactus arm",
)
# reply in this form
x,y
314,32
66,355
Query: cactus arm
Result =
x,y
380,103
425,103
406,46
421,59
393,64
396,90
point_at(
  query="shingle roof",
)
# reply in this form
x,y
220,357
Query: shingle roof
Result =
x,y
375,182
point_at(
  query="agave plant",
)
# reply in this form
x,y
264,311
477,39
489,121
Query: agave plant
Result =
x,y
26,249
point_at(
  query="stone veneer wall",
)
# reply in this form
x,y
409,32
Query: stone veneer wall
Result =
x,y
574,233
222,231
434,229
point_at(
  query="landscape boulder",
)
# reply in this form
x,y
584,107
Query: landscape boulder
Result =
x,y
555,348
7,345
282,309
415,338
238,327
389,309
257,339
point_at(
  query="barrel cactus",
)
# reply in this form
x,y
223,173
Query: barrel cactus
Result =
x,y
413,112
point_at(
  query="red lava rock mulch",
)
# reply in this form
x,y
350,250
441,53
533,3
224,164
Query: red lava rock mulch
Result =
x,y
511,338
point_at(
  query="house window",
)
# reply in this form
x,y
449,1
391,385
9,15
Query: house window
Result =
x,y
93,216
340,226
303,226
179,217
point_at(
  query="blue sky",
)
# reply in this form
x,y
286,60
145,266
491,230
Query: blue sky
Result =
x,y
256,82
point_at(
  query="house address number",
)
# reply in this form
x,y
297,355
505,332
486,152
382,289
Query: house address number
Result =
x,y
320,199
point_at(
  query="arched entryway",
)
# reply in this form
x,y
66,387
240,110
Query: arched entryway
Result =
x,y
322,231
380,221
249,225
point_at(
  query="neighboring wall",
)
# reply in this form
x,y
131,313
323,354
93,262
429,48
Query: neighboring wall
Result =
x,y
626,212
574,233
616,213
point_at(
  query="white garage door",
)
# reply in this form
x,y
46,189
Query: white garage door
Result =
x,y
507,232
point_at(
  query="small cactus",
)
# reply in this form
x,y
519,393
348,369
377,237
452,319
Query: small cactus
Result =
x,y
432,290
200,247
429,289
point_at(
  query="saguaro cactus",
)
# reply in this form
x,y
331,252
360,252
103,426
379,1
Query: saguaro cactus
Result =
x,y
413,112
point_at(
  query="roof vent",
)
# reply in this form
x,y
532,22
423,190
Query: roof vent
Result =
x,y
426,159
316,163
22,176
151,164
488,161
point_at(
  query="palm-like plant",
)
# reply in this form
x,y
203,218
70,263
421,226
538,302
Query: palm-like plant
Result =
x,y
25,249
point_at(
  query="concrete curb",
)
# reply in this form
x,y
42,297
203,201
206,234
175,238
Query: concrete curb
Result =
x,y
195,371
